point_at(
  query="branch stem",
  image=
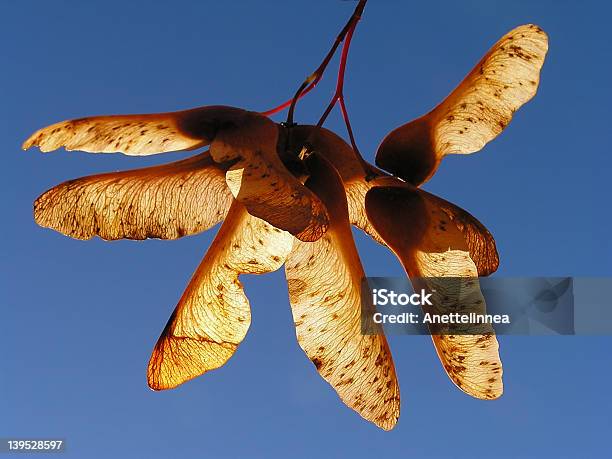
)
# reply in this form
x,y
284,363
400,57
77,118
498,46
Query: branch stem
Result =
x,y
314,78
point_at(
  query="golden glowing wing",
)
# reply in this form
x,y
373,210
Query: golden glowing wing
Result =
x,y
324,279
213,315
136,134
166,202
475,113
261,182
479,241
431,247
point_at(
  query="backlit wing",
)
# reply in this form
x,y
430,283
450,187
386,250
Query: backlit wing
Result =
x,y
137,134
261,182
324,279
479,240
213,315
166,202
432,248
475,113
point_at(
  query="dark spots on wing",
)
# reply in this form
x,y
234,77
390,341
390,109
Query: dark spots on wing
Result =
x,y
318,363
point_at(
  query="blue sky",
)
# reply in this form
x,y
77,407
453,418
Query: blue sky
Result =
x,y
80,318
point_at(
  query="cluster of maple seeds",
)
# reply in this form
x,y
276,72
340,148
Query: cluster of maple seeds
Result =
x,y
288,194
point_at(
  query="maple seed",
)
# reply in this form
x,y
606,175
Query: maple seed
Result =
x,y
287,194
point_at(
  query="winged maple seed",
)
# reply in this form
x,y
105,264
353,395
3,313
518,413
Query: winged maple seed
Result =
x,y
287,195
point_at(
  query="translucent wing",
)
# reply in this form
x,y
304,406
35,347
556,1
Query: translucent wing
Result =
x,y
166,202
137,134
261,182
475,113
324,279
479,240
432,248
213,315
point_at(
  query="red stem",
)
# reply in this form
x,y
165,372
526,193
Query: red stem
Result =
x,y
339,97
339,93
288,102
316,76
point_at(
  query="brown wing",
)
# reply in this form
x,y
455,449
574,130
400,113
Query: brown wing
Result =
x,y
213,315
431,248
261,182
475,113
166,202
137,134
480,242
341,156
324,279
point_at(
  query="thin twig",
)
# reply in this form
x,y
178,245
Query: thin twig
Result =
x,y
339,97
314,78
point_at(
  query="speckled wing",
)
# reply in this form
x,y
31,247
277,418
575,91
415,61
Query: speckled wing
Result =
x,y
213,315
324,279
475,113
479,240
165,202
432,248
137,135
260,181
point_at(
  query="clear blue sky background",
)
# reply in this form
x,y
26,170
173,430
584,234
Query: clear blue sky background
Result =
x,y
79,319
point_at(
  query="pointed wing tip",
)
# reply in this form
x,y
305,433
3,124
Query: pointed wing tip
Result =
x,y
492,389
157,384
481,392
40,139
154,386
155,370
491,393
387,424
530,28
30,142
